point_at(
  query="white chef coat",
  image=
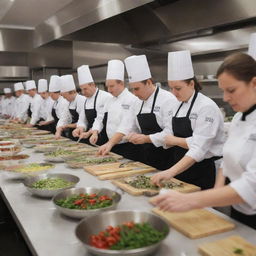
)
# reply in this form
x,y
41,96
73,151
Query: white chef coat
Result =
x,y
36,103
77,103
46,109
1,103
61,107
208,127
21,107
164,104
118,108
239,160
102,98
8,106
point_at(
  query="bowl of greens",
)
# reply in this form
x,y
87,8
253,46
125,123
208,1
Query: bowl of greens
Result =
x,y
83,202
48,185
122,233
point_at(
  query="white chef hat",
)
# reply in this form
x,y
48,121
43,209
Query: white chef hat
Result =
x,y
137,68
42,85
84,75
67,83
55,84
252,46
18,86
7,90
31,84
180,66
115,70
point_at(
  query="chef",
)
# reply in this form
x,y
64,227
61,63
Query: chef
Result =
x,y
35,103
237,79
60,110
21,104
116,110
94,103
8,103
46,119
150,117
76,102
197,133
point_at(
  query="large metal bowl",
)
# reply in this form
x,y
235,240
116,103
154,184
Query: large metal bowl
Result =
x,y
79,214
95,224
45,192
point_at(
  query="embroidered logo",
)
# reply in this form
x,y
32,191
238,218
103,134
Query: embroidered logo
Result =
x,y
252,136
125,106
209,119
156,109
193,116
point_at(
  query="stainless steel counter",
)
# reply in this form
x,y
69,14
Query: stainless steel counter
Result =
x,y
49,233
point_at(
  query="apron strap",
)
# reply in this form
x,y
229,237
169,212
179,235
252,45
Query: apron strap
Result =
x,y
95,99
192,104
154,101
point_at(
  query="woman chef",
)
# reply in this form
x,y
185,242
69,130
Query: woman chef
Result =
x,y
237,79
197,127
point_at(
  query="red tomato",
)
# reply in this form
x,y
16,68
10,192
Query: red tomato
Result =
x,y
92,195
92,201
79,201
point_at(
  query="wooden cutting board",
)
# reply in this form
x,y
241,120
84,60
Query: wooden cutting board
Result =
x,y
227,247
108,168
196,223
186,188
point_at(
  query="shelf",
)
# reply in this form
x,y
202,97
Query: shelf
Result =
x,y
208,81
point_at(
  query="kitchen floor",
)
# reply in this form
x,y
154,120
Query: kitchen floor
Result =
x,y
11,240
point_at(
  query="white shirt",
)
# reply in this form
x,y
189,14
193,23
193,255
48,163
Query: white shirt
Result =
x,y
46,109
208,127
239,160
61,107
118,109
78,103
8,106
165,102
102,98
21,107
36,103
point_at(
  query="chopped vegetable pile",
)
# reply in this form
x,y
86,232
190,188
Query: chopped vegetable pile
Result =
x,y
144,182
127,236
238,251
34,167
93,160
52,183
59,152
85,202
16,157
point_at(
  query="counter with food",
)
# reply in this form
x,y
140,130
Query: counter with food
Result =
x,y
48,232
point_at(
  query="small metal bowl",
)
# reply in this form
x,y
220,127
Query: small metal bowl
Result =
x,y
79,214
95,224
45,192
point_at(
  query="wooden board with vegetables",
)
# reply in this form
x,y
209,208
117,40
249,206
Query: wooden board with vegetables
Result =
x,y
141,185
196,223
230,246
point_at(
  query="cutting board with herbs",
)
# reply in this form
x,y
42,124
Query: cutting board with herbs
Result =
x,y
196,223
141,185
119,170
230,246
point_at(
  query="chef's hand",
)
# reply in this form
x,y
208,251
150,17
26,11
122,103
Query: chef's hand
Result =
x,y
94,138
104,149
163,175
85,135
136,138
78,131
42,123
170,140
30,125
57,135
174,201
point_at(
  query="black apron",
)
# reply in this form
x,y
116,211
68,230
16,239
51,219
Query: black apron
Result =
x,y
29,110
103,137
56,119
75,117
157,157
201,173
90,114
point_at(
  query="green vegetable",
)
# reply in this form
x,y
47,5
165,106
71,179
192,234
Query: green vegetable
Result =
x,y
238,251
52,183
59,152
93,160
85,202
144,182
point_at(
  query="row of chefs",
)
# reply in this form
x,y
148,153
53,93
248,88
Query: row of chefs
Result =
x,y
179,132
